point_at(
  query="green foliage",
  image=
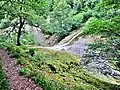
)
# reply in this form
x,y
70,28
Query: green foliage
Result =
x,y
67,16
108,4
31,51
3,80
77,20
17,52
107,9
22,61
46,83
106,14
116,19
24,71
60,17
97,26
4,23
105,21
22,10
10,37
61,71
59,21
27,38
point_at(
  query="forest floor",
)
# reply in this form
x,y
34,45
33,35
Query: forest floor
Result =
x,y
11,69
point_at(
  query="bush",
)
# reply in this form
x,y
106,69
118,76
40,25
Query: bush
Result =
x,y
27,38
77,20
97,26
4,23
60,28
58,22
106,14
107,4
107,9
10,37
3,80
116,19
25,71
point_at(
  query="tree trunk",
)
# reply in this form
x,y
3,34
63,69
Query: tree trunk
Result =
x,y
19,31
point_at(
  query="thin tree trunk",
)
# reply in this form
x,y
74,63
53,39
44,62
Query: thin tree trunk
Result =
x,y
19,31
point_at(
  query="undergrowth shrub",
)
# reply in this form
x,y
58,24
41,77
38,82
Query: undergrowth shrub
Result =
x,y
58,22
4,23
98,26
60,28
77,20
116,19
10,37
27,38
107,9
16,51
3,80
107,4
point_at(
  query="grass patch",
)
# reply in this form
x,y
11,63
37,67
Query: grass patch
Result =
x,y
57,70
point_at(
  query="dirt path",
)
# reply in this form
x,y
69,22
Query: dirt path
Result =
x,y
11,69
